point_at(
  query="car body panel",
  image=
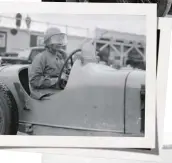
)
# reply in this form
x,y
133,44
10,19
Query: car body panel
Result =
x,y
91,103
133,115
88,101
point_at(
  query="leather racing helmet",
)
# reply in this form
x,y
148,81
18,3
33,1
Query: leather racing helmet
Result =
x,y
54,36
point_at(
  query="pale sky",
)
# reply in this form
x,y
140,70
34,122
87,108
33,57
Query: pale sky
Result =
x,y
121,23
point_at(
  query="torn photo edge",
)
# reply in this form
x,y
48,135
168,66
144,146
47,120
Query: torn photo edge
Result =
x,y
98,142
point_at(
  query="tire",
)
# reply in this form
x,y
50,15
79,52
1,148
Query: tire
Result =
x,y
8,112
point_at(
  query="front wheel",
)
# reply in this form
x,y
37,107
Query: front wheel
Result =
x,y
8,112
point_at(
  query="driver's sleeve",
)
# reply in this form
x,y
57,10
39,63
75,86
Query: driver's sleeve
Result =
x,y
36,74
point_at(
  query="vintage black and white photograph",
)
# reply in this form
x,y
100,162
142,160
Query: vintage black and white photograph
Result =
x,y
76,75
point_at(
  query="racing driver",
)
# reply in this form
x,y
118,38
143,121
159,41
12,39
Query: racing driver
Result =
x,y
46,66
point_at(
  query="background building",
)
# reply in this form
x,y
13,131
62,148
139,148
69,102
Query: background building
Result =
x,y
25,39
119,46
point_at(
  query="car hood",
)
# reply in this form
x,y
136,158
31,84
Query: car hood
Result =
x,y
98,67
93,74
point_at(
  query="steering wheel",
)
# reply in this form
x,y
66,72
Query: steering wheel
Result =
x,y
66,69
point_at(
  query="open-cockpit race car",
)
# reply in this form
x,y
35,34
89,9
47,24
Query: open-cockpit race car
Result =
x,y
95,100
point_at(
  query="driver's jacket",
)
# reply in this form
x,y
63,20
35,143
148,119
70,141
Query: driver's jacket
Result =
x,y
43,74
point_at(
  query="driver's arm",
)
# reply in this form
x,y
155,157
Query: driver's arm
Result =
x,y
36,74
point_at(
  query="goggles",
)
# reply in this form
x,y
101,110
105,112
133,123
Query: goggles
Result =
x,y
58,39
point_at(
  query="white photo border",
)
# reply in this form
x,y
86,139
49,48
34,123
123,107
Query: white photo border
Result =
x,y
148,10
165,50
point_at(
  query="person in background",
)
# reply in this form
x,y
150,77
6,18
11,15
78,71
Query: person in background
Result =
x,y
136,64
46,66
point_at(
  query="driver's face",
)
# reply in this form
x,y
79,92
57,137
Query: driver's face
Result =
x,y
57,42
57,47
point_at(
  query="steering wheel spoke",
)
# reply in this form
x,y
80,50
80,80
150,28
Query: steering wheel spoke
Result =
x,y
65,70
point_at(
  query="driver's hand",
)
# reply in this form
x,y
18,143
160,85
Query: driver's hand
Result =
x,y
63,81
56,82
64,76
53,80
